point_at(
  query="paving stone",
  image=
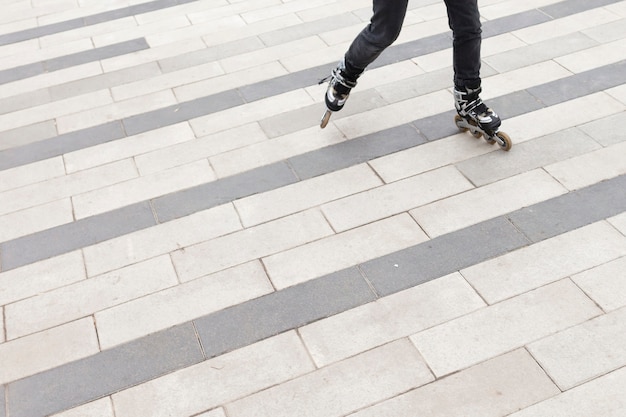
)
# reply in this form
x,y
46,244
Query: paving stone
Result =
x,y
99,408
600,397
355,151
81,233
2,401
582,353
25,175
513,22
580,85
102,374
570,7
182,112
283,84
492,389
442,256
293,307
21,72
95,54
59,145
217,381
605,131
505,326
306,29
571,211
389,318
545,262
20,136
24,101
605,284
341,388
530,155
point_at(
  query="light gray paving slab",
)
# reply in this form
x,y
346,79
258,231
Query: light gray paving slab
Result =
x,y
191,200
55,146
293,307
28,134
96,54
513,22
21,72
442,256
570,7
572,210
306,29
491,167
107,372
68,237
37,32
409,50
24,101
285,83
581,84
355,151
607,131
211,54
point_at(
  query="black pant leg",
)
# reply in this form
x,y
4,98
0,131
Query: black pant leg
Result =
x,y
464,20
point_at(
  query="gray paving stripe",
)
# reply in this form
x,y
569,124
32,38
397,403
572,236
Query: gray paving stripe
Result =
x,y
146,358
266,178
78,58
257,91
76,235
2,401
102,374
46,30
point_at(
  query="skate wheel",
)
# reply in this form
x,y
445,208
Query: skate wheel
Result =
x,y
457,121
325,119
504,141
477,134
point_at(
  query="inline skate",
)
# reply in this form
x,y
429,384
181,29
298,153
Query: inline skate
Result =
x,y
339,86
474,116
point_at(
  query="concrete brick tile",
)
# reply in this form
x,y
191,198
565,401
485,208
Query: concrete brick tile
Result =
x,y
539,52
45,350
99,408
605,284
598,165
147,31
160,239
282,36
561,10
389,318
54,110
217,412
34,219
66,186
394,114
582,353
151,55
312,57
342,250
2,340
166,81
104,81
37,61
191,150
249,322
217,381
24,101
191,200
603,130
491,389
503,327
75,29
592,58
618,8
601,397
247,113
608,32
545,262
499,9
565,25
394,198
433,155
206,11
487,202
225,82
253,29
417,85
27,134
267,152
116,111
99,375
618,92
32,173
180,304
282,9
141,189
252,243
158,36
41,277
306,194
520,79
133,146
529,155
122,48
2,402
619,222
87,297
383,77
332,391
561,116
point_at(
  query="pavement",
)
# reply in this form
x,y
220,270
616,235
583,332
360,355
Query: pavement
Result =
x,y
178,237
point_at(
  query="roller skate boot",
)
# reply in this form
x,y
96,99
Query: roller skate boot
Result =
x,y
339,86
474,116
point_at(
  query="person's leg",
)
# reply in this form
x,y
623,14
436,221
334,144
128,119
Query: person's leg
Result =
x,y
382,31
464,20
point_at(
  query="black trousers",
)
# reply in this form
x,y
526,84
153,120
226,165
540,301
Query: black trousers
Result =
x,y
385,25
